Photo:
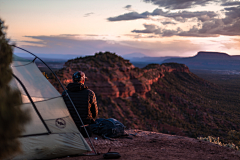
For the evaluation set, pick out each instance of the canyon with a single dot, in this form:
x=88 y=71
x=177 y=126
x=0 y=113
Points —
x=165 y=98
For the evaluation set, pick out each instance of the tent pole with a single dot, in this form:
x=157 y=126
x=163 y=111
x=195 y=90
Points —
x=64 y=90
x=34 y=106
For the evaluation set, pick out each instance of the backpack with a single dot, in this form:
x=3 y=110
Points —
x=108 y=128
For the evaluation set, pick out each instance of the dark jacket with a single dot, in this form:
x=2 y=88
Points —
x=84 y=100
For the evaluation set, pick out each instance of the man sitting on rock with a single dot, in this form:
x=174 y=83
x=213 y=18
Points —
x=83 y=98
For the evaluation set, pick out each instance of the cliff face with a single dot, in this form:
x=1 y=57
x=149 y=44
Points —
x=110 y=75
x=125 y=81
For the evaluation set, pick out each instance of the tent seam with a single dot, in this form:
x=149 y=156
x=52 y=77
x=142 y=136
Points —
x=23 y=65
x=43 y=100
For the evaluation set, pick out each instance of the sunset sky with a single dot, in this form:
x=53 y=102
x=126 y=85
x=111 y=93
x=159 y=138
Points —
x=151 y=27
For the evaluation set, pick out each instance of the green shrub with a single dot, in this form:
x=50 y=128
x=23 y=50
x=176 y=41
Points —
x=12 y=118
x=216 y=141
x=234 y=137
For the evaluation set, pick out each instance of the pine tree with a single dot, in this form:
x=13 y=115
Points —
x=12 y=118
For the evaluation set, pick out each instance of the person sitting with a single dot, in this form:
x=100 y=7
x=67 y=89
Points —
x=83 y=98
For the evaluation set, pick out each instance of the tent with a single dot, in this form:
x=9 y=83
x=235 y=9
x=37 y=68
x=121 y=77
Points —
x=52 y=132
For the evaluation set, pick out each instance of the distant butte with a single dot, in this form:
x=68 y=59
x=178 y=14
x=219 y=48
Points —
x=209 y=60
x=205 y=54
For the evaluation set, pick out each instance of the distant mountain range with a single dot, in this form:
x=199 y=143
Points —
x=132 y=56
x=203 y=60
x=144 y=61
x=49 y=56
x=209 y=60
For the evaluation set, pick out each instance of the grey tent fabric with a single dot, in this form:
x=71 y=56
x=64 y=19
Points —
x=51 y=133
x=33 y=79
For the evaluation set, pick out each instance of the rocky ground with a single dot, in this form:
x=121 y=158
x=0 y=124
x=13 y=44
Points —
x=152 y=145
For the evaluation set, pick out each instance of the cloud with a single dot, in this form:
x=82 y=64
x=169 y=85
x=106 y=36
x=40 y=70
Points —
x=209 y=23
x=128 y=7
x=88 y=14
x=213 y=28
x=234 y=44
x=168 y=22
x=231 y=3
x=34 y=42
x=75 y=46
x=136 y=15
x=179 y=4
x=169 y=48
x=178 y=16
x=200 y=15
x=233 y=12
x=92 y=35
x=80 y=47
x=208 y=26
x=65 y=35
x=151 y=28
x=129 y=16
x=138 y=36
x=218 y=27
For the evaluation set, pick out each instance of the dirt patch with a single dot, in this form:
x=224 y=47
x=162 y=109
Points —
x=152 y=145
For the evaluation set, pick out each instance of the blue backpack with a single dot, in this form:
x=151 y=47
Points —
x=108 y=128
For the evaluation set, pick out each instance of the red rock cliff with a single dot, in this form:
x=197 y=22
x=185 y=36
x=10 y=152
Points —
x=111 y=75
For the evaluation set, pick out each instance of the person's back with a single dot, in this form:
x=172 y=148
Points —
x=83 y=98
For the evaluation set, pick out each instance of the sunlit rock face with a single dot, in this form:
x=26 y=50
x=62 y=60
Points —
x=111 y=75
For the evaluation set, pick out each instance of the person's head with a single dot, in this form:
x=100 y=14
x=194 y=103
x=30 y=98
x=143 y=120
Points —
x=79 y=77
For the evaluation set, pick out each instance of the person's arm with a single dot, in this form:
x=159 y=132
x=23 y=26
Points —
x=63 y=93
x=94 y=107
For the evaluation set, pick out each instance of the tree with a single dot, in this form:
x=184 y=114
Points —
x=12 y=118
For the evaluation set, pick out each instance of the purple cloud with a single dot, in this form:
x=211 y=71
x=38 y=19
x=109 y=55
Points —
x=178 y=16
x=179 y=4
x=80 y=47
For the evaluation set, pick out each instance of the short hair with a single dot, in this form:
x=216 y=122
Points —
x=78 y=76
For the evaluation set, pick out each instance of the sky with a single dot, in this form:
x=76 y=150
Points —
x=154 y=28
